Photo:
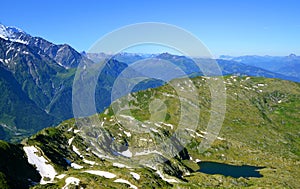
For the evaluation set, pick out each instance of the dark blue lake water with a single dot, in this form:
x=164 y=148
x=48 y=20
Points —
x=229 y=170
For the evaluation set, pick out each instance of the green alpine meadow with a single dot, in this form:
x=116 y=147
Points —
x=261 y=129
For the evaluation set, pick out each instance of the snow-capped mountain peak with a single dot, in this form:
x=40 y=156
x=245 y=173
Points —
x=13 y=34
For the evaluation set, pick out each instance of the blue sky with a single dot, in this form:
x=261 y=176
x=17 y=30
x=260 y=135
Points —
x=262 y=27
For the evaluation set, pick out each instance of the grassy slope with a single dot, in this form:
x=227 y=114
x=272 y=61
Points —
x=261 y=128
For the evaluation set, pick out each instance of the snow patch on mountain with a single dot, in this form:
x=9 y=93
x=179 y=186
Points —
x=128 y=134
x=166 y=179
x=104 y=174
x=120 y=165
x=76 y=151
x=12 y=34
x=126 y=182
x=70 y=140
x=46 y=170
x=88 y=162
x=126 y=153
x=135 y=175
x=61 y=176
x=71 y=180
x=76 y=166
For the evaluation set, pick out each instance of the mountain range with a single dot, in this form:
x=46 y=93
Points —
x=286 y=68
x=142 y=135
x=285 y=65
x=38 y=75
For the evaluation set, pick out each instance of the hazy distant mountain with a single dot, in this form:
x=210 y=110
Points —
x=237 y=68
x=285 y=65
x=128 y=58
x=228 y=65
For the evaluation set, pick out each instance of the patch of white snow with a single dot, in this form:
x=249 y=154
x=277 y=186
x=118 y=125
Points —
x=61 y=176
x=135 y=175
x=76 y=131
x=128 y=134
x=89 y=162
x=166 y=179
x=76 y=151
x=71 y=180
x=76 y=166
x=126 y=182
x=104 y=174
x=42 y=166
x=154 y=130
x=120 y=165
x=126 y=153
x=70 y=140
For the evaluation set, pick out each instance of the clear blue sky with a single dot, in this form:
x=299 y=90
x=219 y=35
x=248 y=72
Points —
x=234 y=27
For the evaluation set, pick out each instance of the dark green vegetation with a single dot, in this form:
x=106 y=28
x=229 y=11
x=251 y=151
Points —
x=17 y=109
x=15 y=171
x=261 y=128
x=35 y=87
